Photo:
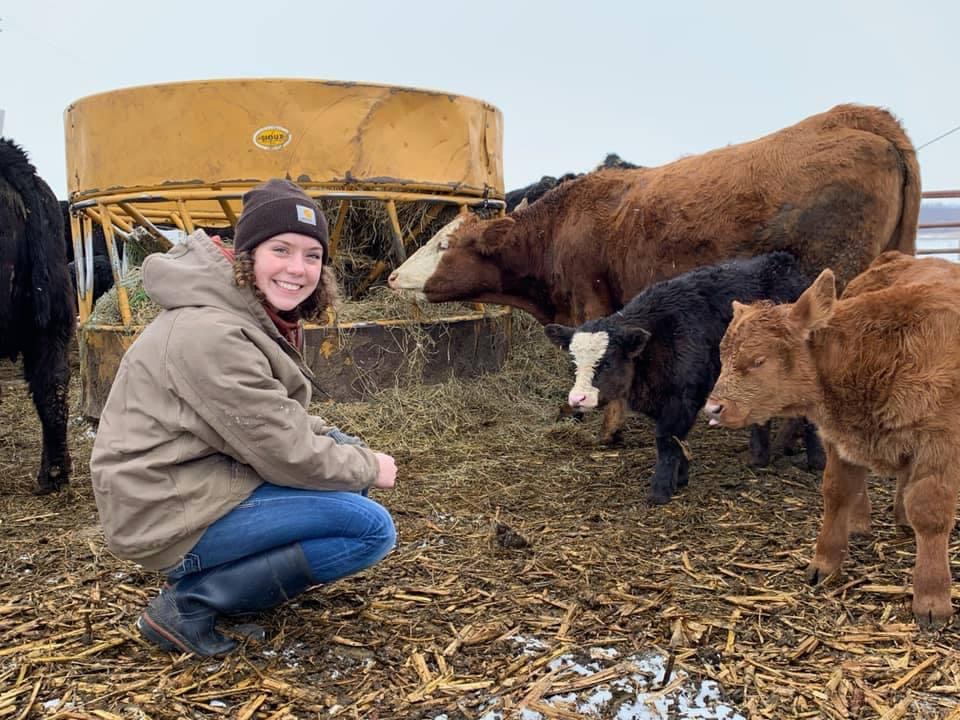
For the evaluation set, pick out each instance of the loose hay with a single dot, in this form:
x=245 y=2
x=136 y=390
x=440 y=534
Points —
x=713 y=581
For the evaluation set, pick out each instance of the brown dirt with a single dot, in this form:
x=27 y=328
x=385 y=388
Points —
x=511 y=523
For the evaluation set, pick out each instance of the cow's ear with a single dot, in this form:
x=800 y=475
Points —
x=636 y=339
x=522 y=205
x=738 y=308
x=814 y=308
x=559 y=335
x=493 y=235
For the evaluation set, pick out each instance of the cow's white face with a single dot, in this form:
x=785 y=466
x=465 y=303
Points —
x=418 y=268
x=588 y=349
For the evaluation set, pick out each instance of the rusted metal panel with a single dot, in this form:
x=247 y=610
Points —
x=101 y=349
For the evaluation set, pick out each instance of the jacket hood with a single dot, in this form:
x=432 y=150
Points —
x=195 y=273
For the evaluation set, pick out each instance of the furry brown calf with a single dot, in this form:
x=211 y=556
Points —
x=879 y=372
x=835 y=190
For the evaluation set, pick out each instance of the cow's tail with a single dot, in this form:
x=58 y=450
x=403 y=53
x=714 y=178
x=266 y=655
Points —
x=882 y=123
x=44 y=225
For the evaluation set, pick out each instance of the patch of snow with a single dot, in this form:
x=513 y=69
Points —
x=639 y=694
x=530 y=645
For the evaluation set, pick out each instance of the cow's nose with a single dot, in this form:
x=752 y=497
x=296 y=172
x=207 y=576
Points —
x=576 y=399
x=713 y=410
x=392 y=279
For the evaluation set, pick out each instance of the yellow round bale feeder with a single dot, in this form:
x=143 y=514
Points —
x=148 y=160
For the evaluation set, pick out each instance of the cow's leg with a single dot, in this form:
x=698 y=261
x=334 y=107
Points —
x=672 y=470
x=614 y=415
x=788 y=435
x=899 y=512
x=46 y=368
x=816 y=459
x=844 y=490
x=760 y=444
x=665 y=480
x=861 y=511
x=930 y=504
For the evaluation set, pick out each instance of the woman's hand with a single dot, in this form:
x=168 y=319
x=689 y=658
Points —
x=387 y=477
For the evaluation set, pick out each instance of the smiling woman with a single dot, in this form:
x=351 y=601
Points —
x=207 y=464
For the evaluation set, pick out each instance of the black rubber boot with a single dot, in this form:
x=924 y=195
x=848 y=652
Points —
x=183 y=617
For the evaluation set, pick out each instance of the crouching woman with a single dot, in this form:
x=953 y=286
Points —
x=207 y=465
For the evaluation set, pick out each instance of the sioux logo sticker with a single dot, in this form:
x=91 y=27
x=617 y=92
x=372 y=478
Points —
x=272 y=137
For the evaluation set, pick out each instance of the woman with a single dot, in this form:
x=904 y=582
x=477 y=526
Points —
x=206 y=464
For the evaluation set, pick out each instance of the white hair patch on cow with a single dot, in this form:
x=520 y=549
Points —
x=587 y=348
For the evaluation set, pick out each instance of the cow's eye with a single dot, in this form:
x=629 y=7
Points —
x=758 y=362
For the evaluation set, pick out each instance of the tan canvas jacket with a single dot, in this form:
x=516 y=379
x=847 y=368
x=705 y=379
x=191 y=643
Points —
x=208 y=403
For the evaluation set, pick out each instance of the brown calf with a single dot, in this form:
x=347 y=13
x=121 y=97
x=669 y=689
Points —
x=879 y=372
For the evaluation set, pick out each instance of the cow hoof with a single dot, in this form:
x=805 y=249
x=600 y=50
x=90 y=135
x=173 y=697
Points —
x=565 y=412
x=932 y=619
x=614 y=440
x=48 y=486
x=759 y=461
x=45 y=489
x=814 y=575
x=904 y=530
x=658 y=499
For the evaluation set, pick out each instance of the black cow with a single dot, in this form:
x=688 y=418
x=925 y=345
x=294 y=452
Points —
x=535 y=191
x=36 y=309
x=102 y=274
x=660 y=353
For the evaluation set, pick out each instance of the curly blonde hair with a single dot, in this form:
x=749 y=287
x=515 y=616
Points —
x=310 y=310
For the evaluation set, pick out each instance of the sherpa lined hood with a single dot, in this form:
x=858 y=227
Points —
x=195 y=273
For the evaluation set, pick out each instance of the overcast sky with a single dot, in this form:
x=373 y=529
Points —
x=574 y=80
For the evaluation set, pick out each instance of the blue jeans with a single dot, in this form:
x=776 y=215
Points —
x=341 y=532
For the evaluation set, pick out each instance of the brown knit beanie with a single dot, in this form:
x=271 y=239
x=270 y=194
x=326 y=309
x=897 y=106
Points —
x=275 y=207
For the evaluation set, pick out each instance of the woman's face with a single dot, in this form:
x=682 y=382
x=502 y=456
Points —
x=287 y=269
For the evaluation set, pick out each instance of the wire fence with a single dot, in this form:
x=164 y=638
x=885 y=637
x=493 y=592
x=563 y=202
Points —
x=941 y=237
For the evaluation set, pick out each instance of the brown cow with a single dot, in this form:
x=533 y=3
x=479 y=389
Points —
x=879 y=372
x=836 y=190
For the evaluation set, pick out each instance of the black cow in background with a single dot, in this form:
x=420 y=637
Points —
x=535 y=191
x=36 y=310
x=102 y=272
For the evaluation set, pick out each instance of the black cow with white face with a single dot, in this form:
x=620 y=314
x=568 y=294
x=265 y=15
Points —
x=661 y=353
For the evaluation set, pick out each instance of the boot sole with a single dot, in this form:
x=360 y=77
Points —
x=169 y=641
x=159 y=636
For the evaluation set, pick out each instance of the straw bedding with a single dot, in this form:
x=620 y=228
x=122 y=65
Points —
x=513 y=526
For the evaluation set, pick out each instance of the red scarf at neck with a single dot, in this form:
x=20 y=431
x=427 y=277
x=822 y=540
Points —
x=291 y=331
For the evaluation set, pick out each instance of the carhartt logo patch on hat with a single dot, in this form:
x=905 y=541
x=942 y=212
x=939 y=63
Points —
x=306 y=215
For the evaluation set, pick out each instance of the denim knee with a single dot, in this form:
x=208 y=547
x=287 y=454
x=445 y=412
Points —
x=332 y=558
x=382 y=538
